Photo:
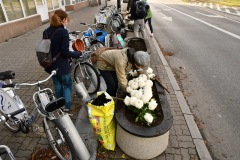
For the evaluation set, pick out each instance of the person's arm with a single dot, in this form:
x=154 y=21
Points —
x=65 y=47
x=120 y=68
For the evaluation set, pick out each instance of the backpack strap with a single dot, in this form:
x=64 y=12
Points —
x=46 y=36
x=54 y=33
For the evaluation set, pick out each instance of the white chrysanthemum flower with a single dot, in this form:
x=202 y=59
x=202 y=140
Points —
x=141 y=83
x=130 y=82
x=134 y=85
x=146 y=98
x=133 y=93
x=138 y=94
x=129 y=89
x=152 y=104
x=148 y=117
x=133 y=100
x=149 y=83
x=138 y=103
x=143 y=76
x=151 y=76
x=135 y=79
x=147 y=89
x=127 y=100
x=149 y=70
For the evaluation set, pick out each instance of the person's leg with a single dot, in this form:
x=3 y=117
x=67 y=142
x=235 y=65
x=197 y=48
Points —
x=67 y=90
x=136 y=28
x=142 y=27
x=150 y=24
x=114 y=75
x=58 y=86
x=110 y=82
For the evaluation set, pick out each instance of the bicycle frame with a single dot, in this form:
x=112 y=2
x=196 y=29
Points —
x=11 y=101
x=8 y=151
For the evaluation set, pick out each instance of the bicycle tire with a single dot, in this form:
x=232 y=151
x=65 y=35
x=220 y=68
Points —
x=86 y=73
x=12 y=126
x=96 y=44
x=65 y=150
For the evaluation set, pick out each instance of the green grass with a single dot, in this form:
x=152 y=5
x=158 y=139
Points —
x=233 y=3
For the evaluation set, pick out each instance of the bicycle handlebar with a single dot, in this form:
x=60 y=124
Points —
x=5 y=117
x=38 y=82
x=86 y=24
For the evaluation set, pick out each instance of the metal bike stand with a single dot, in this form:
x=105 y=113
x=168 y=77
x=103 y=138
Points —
x=77 y=141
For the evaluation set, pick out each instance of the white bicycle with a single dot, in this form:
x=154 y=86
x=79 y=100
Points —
x=45 y=104
x=5 y=150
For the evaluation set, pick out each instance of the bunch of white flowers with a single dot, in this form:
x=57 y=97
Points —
x=140 y=96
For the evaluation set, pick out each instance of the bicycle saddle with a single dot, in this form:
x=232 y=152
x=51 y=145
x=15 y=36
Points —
x=54 y=105
x=7 y=75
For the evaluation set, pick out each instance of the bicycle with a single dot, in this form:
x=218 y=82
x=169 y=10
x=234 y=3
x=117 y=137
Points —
x=5 y=150
x=85 y=72
x=45 y=104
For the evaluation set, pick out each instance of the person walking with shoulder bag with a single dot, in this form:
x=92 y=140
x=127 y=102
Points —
x=60 y=49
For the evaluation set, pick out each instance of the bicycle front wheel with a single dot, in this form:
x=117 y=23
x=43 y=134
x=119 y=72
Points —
x=13 y=125
x=59 y=140
x=86 y=73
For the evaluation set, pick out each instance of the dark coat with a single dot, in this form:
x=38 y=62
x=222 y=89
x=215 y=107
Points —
x=133 y=11
x=60 y=43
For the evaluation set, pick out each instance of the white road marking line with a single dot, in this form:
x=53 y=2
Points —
x=206 y=23
x=226 y=9
x=218 y=8
x=208 y=15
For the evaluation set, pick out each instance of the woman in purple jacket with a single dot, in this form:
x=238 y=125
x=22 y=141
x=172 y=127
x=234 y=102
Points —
x=60 y=50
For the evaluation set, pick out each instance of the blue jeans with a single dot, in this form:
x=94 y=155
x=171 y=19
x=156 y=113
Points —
x=111 y=81
x=63 y=88
x=149 y=20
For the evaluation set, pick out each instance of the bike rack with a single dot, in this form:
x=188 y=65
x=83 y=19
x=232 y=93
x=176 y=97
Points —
x=77 y=141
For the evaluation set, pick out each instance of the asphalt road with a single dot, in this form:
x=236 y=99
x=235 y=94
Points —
x=206 y=60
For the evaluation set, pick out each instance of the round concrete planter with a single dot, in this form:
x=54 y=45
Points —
x=144 y=142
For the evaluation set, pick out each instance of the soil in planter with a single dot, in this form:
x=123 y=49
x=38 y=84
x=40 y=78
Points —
x=100 y=100
x=158 y=111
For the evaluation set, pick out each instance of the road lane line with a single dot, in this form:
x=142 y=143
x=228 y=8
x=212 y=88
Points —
x=208 y=24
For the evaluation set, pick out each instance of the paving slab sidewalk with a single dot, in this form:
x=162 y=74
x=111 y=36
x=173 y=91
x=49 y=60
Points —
x=18 y=54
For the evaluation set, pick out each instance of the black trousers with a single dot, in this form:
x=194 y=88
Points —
x=111 y=81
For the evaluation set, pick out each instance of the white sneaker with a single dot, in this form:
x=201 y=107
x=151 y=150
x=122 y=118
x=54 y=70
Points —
x=151 y=35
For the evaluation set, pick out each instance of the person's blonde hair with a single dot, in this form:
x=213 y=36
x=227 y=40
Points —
x=57 y=18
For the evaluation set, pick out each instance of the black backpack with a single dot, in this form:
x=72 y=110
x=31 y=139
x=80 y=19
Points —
x=43 y=50
x=140 y=9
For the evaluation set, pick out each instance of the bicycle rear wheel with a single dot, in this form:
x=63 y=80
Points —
x=59 y=140
x=87 y=74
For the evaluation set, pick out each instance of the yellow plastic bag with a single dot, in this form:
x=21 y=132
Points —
x=101 y=119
